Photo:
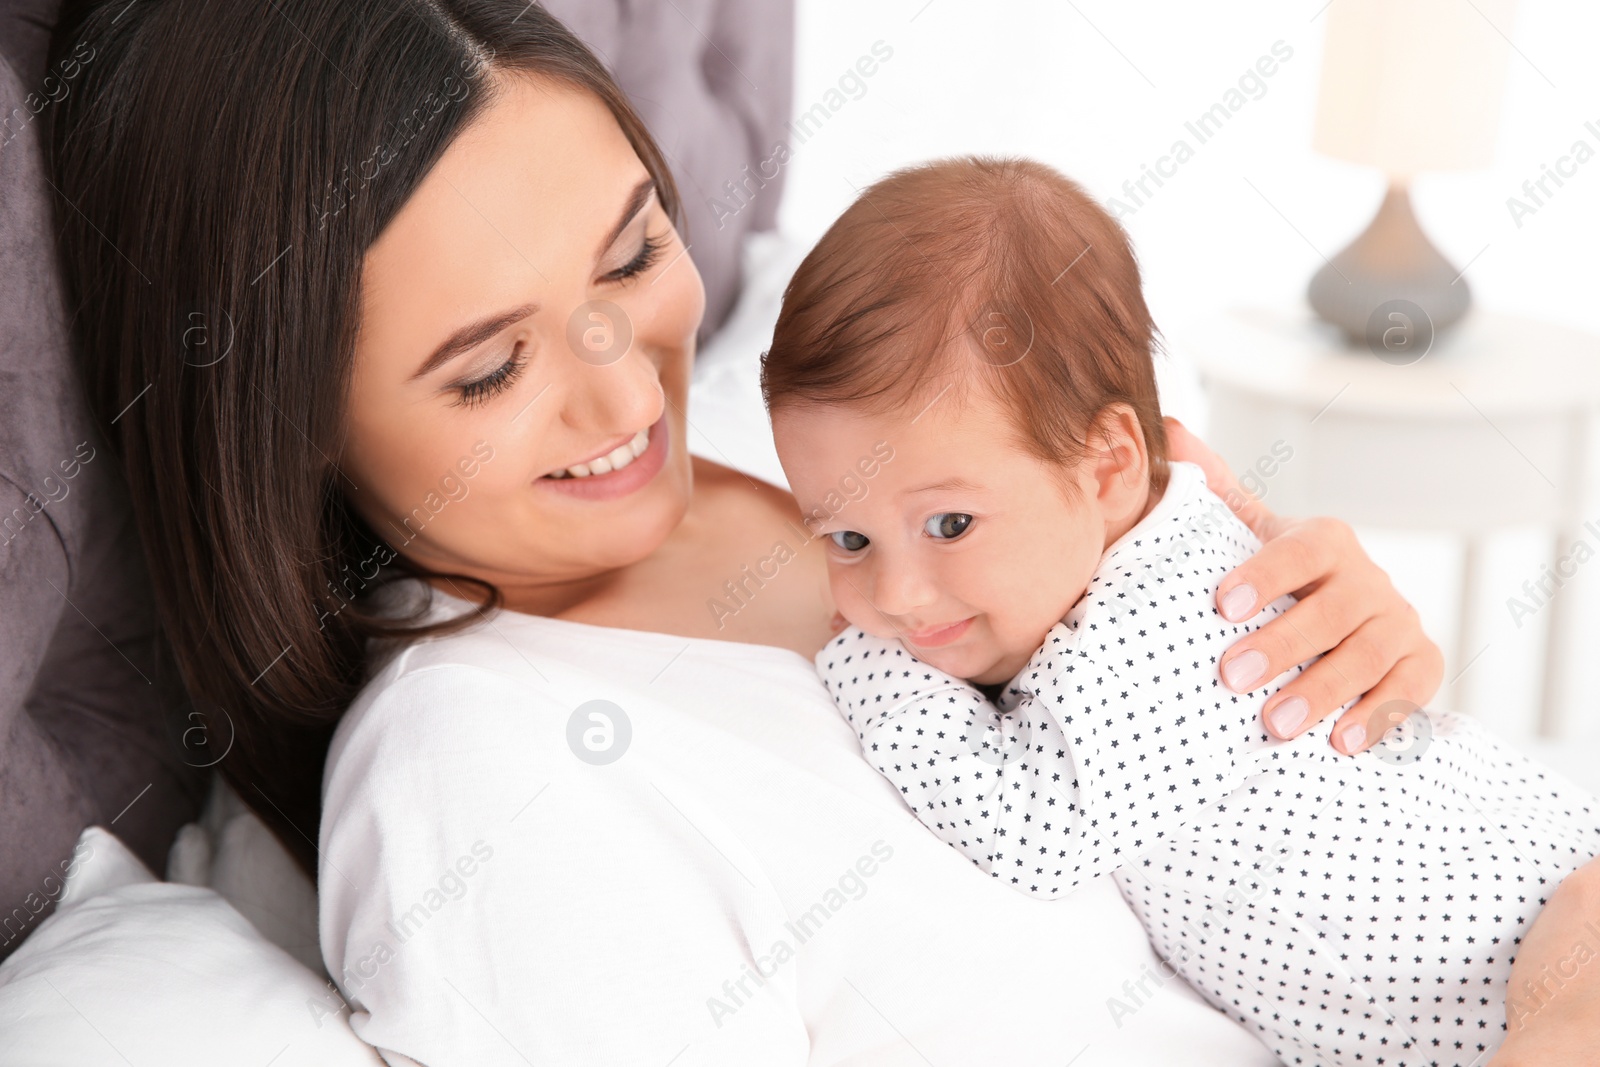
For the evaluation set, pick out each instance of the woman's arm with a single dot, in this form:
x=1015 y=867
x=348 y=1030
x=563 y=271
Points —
x=1370 y=637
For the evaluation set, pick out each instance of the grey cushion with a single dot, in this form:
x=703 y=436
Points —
x=25 y=27
x=83 y=707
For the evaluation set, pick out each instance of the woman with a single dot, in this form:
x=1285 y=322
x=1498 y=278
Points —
x=339 y=268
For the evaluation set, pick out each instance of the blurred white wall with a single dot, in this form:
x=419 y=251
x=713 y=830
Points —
x=1101 y=89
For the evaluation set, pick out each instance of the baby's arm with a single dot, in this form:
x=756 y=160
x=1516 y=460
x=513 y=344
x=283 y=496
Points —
x=1085 y=772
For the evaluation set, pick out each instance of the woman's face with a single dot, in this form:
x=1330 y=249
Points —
x=527 y=329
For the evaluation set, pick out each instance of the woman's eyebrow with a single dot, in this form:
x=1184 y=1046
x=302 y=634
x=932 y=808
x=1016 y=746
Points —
x=471 y=335
x=636 y=201
x=475 y=333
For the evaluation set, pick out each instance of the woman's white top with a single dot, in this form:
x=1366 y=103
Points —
x=555 y=843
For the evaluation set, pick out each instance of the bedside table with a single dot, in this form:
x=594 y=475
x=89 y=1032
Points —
x=1489 y=429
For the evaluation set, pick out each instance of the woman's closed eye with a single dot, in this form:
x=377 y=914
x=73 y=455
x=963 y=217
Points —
x=649 y=252
x=497 y=381
x=947 y=525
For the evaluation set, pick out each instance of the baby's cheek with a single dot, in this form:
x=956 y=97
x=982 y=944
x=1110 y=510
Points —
x=1013 y=652
x=1037 y=606
x=1007 y=659
x=853 y=606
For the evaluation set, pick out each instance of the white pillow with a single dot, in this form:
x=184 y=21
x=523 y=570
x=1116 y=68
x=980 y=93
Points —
x=130 y=969
x=232 y=851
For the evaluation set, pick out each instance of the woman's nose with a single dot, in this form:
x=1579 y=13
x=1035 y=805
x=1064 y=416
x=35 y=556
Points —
x=612 y=384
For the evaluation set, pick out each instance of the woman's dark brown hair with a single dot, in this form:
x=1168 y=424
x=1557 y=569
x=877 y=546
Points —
x=222 y=167
x=975 y=270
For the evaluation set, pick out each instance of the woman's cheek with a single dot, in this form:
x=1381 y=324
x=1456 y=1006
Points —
x=473 y=486
x=673 y=309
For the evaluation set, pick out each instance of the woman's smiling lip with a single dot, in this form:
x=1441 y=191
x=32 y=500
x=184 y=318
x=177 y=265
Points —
x=620 y=482
x=935 y=636
x=606 y=451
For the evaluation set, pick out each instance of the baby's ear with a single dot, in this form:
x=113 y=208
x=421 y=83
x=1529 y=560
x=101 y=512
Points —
x=1121 y=461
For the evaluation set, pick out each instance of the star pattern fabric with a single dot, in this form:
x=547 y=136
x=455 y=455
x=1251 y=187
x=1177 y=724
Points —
x=1361 y=909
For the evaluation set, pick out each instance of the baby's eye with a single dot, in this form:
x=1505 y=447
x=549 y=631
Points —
x=849 y=540
x=947 y=526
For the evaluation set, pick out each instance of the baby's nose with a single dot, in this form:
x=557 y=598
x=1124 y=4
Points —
x=902 y=590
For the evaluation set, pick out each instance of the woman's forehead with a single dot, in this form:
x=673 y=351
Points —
x=515 y=210
x=530 y=188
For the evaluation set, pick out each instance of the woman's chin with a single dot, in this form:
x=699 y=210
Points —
x=644 y=529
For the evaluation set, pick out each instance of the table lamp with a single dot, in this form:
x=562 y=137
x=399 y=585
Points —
x=1407 y=86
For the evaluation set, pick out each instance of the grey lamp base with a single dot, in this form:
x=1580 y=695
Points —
x=1390 y=268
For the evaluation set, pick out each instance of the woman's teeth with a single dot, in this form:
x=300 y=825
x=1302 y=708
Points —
x=614 y=460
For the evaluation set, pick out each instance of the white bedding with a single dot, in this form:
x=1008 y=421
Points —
x=134 y=970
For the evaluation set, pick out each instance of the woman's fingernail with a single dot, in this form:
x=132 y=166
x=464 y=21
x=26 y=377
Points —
x=1238 y=603
x=1353 y=737
x=1244 y=670
x=1286 y=718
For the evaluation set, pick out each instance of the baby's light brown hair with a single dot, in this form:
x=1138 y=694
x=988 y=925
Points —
x=1000 y=269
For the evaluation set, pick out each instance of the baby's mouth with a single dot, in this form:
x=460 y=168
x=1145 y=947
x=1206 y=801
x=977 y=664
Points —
x=935 y=636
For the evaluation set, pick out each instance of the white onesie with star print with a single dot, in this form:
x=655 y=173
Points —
x=1349 y=908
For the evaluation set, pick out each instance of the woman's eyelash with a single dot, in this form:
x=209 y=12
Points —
x=648 y=254
x=500 y=379
x=494 y=383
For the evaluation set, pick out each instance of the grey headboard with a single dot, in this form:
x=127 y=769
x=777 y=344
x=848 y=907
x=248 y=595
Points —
x=714 y=81
x=89 y=726
x=86 y=714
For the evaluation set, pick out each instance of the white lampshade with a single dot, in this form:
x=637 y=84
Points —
x=1413 y=85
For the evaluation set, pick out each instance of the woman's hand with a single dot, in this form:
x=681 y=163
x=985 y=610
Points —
x=1347 y=608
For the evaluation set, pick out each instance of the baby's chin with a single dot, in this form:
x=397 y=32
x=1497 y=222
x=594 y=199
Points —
x=974 y=663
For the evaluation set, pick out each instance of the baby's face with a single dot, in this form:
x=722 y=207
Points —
x=940 y=530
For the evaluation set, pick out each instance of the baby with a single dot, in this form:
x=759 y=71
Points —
x=1033 y=643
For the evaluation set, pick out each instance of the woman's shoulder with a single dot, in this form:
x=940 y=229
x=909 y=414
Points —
x=740 y=536
x=719 y=488
x=483 y=680
x=501 y=648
